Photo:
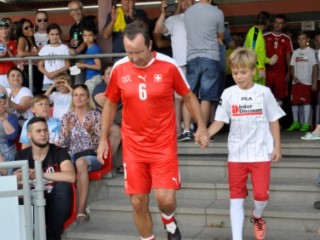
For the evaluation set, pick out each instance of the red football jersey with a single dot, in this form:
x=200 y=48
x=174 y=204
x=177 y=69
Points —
x=279 y=45
x=148 y=117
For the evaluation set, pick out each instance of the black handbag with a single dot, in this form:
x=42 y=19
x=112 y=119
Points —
x=87 y=152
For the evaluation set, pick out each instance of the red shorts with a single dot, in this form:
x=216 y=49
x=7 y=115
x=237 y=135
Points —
x=301 y=94
x=277 y=83
x=140 y=177
x=260 y=177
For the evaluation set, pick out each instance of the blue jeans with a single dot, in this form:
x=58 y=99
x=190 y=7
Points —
x=203 y=78
x=58 y=205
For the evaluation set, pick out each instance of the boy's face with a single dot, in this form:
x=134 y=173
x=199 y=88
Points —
x=61 y=85
x=4 y=31
x=243 y=77
x=303 y=41
x=41 y=108
x=106 y=75
x=88 y=37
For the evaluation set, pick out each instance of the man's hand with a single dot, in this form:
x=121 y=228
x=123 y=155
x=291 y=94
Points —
x=273 y=60
x=102 y=151
x=202 y=137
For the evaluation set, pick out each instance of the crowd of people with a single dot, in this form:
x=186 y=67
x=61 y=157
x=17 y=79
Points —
x=65 y=120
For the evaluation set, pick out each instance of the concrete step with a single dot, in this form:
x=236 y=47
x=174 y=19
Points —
x=97 y=230
x=293 y=216
x=281 y=189
x=207 y=168
x=292 y=145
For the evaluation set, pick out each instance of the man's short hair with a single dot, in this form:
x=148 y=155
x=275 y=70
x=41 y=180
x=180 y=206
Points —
x=38 y=98
x=35 y=120
x=75 y=1
x=242 y=58
x=135 y=28
x=281 y=16
x=262 y=18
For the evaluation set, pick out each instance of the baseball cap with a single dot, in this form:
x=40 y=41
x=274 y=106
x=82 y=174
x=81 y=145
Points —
x=4 y=23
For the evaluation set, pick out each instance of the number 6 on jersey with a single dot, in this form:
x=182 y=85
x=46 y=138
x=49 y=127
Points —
x=143 y=91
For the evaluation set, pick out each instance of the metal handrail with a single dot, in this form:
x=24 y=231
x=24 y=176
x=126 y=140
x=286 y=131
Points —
x=30 y=59
x=25 y=192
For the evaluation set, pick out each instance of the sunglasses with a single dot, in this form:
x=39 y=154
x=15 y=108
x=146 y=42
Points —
x=42 y=20
x=3 y=96
x=26 y=28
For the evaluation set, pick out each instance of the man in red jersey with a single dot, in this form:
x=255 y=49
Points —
x=279 y=44
x=145 y=81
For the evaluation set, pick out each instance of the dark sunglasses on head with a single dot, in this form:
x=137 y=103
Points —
x=3 y=96
x=81 y=86
x=27 y=27
x=42 y=20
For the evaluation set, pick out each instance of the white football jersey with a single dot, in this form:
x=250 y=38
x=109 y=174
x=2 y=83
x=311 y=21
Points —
x=249 y=113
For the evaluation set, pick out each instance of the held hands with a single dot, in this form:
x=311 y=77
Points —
x=202 y=137
x=273 y=60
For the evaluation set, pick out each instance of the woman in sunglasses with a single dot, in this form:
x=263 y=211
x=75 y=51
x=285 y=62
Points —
x=9 y=128
x=27 y=47
x=40 y=35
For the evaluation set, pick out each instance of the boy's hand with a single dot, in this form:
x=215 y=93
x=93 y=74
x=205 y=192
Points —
x=276 y=155
x=296 y=80
x=201 y=137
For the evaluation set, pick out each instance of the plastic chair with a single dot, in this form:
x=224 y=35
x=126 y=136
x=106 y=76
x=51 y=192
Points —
x=73 y=213
x=106 y=167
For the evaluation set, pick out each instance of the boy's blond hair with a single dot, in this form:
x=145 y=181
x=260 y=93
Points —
x=242 y=58
x=64 y=76
x=38 y=98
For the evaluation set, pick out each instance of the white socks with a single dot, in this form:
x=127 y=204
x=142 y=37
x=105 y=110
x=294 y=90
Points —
x=237 y=218
x=259 y=206
x=148 y=238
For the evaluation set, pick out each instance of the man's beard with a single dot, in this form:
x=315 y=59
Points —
x=40 y=145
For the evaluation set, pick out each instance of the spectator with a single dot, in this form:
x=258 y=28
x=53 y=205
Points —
x=62 y=98
x=254 y=40
x=149 y=138
x=53 y=67
x=117 y=20
x=278 y=44
x=304 y=72
x=253 y=113
x=76 y=44
x=115 y=131
x=27 y=47
x=80 y=131
x=174 y=26
x=8 y=48
x=205 y=28
x=92 y=66
x=58 y=173
x=41 y=36
x=40 y=106
x=9 y=128
x=20 y=97
x=317 y=93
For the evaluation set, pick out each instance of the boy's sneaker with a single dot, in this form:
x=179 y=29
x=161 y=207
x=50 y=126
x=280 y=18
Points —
x=185 y=136
x=305 y=127
x=294 y=127
x=174 y=236
x=259 y=228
